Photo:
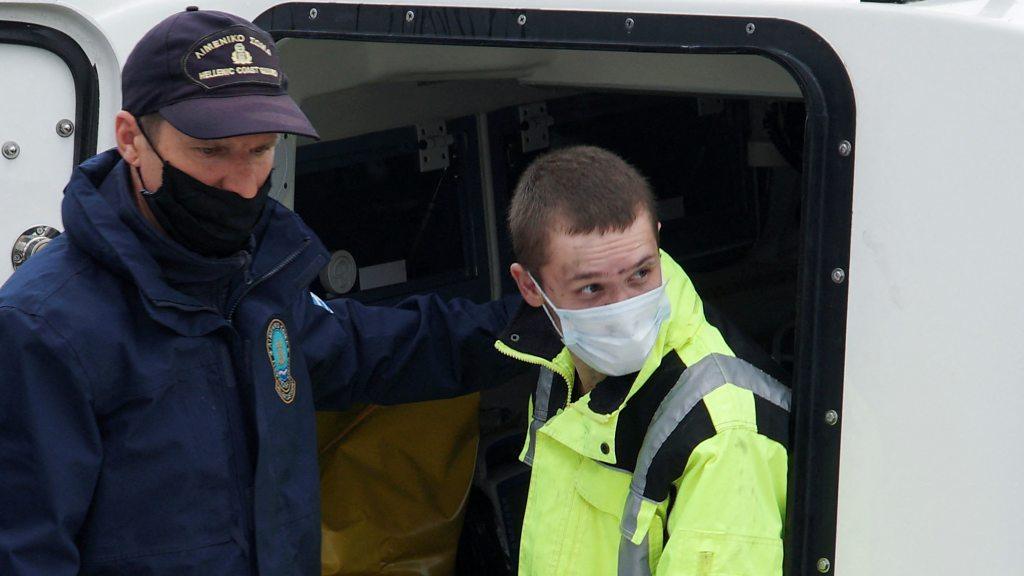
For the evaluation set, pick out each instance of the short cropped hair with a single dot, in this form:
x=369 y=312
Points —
x=575 y=190
x=151 y=125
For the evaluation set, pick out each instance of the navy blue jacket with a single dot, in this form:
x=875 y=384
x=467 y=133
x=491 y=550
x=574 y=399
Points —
x=157 y=409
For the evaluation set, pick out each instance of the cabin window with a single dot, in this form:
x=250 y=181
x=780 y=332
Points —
x=752 y=182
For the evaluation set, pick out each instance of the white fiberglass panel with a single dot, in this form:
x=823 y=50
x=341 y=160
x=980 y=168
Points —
x=39 y=93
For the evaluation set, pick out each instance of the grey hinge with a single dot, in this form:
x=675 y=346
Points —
x=434 y=142
x=533 y=126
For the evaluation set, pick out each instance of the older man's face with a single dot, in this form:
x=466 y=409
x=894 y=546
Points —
x=240 y=164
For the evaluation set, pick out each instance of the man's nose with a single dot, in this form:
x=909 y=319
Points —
x=621 y=293
x=244 y=180
x=617 y=295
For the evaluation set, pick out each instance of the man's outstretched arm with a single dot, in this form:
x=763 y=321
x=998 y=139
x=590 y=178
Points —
x=421 y=349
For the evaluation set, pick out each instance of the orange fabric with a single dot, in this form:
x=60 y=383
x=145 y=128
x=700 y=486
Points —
x=394 y=481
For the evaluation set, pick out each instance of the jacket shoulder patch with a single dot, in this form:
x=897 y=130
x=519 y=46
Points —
x=278 y=352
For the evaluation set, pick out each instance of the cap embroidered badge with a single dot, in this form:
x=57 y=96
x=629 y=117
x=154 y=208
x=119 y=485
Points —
x=211 y=75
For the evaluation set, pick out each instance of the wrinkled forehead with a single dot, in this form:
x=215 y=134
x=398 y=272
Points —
x=599 y=254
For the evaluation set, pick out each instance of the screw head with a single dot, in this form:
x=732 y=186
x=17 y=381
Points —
x=410 y=16
x=838 y=275
x=17 y=258
x=629 y=24
x=824 y=565
x=11 y=150
x=831 y=417
x=65 y=128
x=751 y=28
x=313 y=13
x=845 y=148
x=521 y=20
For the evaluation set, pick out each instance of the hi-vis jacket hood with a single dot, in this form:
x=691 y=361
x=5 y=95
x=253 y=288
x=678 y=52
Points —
x=157 y=411
x=695 y=421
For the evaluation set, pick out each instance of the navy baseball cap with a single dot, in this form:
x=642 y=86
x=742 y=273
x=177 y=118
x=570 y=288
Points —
x=211 y=75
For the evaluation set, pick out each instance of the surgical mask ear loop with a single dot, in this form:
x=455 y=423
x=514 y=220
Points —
x=550 y=303
x=145 y=189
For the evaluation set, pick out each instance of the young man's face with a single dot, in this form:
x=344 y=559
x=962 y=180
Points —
x=595 y=269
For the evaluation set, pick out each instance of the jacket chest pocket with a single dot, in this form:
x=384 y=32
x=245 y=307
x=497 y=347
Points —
x=203 y=387
x=603 y=487
x=592 y=534
x=182 y=422
x=167 y=478
x=603 y=490
x=196 y=402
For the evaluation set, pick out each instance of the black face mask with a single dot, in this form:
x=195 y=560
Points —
x=205 y=219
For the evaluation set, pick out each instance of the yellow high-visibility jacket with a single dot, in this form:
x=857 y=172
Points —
x=677 y=470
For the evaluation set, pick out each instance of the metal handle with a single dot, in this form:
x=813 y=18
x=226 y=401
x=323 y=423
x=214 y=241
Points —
x=30 y=242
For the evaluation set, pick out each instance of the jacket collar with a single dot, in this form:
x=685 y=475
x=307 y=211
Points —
x=100 y=218
x=530 y=337
x=531 y=334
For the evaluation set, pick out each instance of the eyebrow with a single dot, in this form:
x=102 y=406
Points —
x=592 y=274
x=214 y=142
x=222 y=144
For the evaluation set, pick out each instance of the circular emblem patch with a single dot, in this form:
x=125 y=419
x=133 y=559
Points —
x=278 y=351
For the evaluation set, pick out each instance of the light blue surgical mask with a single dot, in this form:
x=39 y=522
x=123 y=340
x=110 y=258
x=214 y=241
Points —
x=613 y=339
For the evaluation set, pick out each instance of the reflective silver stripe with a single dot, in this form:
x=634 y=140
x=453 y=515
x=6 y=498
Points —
x=541 y=399
x=633 y=558
x=632 y=513
x=696 y=382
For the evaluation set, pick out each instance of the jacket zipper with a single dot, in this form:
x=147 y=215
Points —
x=538 y=361
x=250 y=285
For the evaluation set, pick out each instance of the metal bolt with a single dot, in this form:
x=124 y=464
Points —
x=838 y=275
x=824 y=565
x=30 y=242
x=313 y=13
x=845 y=148
x=751 y=28
x=831 y=417
x=521 y=20
x=410 y=16
x=11 y=150
x=630 y=23
x=65 y=128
